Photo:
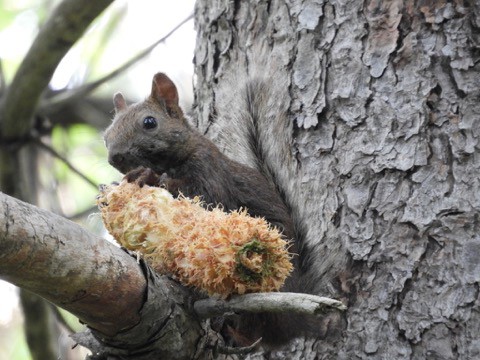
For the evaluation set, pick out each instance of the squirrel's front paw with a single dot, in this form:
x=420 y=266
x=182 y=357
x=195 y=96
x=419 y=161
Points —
x=143 y=176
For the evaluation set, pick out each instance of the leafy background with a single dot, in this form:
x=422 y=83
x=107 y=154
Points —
x=123 y=31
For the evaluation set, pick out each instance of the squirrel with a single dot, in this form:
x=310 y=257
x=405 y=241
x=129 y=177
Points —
x=151 y=142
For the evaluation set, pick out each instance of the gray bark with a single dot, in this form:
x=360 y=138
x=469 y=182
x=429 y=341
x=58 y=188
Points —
x=383 y=124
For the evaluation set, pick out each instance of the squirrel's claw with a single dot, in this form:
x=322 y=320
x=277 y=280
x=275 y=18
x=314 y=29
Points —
x=143 y=176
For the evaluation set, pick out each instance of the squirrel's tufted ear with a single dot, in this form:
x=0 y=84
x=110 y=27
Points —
x=164 y=90
x=119 y=102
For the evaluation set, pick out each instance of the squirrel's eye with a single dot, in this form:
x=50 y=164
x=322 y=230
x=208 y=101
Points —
x=149 y=123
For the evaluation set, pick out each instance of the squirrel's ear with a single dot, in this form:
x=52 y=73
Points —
x=119 y=102
x=163 y=89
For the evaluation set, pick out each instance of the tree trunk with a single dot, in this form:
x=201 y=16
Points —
x=382 y=138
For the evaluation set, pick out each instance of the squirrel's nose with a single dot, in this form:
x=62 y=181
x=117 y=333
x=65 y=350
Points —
x=116 y=159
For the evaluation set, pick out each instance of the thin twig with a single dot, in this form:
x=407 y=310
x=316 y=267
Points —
x=267 y=302
x=68 y=95
x=53 y=152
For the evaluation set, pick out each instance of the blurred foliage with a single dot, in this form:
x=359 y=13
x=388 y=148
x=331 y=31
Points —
x=121 y=32
x=12 y=342
x=83 y=146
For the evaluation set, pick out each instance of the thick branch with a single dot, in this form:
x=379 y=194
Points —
x=64 y=27
x=60 y=261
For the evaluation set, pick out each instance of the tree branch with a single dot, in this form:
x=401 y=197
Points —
x=267 y=302
x=64 y=27
x=60 y=261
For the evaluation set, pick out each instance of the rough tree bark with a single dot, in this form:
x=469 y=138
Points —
x=384 y=128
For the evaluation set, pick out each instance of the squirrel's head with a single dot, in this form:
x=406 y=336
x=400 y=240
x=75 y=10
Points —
x=153 y=133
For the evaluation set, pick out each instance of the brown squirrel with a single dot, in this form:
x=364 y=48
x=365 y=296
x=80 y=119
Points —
x=152 y=143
